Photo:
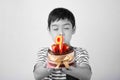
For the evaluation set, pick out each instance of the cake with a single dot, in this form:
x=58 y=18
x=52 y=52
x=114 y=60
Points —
x=57 y=60
x=61 y=54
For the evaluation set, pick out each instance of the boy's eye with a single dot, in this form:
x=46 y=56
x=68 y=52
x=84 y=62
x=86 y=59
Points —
x=55 y=28
x=66 y=28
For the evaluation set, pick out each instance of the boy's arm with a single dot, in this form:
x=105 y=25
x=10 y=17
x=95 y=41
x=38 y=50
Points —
x=82 y=70
x=40 y=71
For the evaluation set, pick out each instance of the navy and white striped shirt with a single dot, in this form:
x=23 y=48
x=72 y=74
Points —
x=81 y=56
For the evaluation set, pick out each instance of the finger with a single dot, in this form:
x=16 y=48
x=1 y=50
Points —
x=66 y=70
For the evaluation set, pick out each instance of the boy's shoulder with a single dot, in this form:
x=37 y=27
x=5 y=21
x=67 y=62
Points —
x=43 y=49
x=80 y=49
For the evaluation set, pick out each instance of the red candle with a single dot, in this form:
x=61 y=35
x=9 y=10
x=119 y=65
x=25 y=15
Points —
x=59 y=40
x=55 y=49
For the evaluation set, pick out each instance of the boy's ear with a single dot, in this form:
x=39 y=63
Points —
x=48 y=30
x=74 y=29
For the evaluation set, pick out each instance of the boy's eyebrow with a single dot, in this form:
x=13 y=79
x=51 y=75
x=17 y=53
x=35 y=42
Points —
x=63 y=24
x=66 y=24
x=54 y=25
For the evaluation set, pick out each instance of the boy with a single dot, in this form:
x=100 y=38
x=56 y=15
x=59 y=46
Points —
x=62 y=21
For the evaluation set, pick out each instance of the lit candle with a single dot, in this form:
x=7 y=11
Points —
x=59 y=41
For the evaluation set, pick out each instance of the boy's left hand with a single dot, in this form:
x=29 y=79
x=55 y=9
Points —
x=72 y=70
x=82 y=72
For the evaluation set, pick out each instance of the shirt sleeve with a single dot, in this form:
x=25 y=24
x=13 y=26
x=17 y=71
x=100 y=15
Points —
x=41 y=58
x=81 y=56
x=42 y=55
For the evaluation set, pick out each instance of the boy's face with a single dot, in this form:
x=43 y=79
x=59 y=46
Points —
x=64 y=27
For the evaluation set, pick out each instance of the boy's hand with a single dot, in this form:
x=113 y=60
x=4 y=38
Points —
x=81 y=72
x=40 y=71
x=70 y=70
x=73 y=71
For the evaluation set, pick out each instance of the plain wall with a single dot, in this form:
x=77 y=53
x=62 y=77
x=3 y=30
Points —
x=23 y=30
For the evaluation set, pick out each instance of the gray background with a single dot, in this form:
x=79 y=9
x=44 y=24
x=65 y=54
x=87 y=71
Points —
x=23 y=30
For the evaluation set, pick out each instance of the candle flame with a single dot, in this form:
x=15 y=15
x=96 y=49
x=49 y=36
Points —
x=59 y=40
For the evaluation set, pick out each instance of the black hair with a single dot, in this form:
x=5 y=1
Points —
x=61 y=13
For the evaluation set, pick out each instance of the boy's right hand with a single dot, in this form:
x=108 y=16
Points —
x=40 y=71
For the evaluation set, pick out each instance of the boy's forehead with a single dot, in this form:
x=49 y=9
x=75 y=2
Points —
x=62 y=21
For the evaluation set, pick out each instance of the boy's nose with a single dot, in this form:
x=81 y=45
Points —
x=61 y=32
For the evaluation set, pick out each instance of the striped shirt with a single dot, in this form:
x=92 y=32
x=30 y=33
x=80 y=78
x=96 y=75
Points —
x=81 y=56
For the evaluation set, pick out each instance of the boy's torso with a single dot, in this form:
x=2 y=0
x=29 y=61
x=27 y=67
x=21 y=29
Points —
x=57 y=74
